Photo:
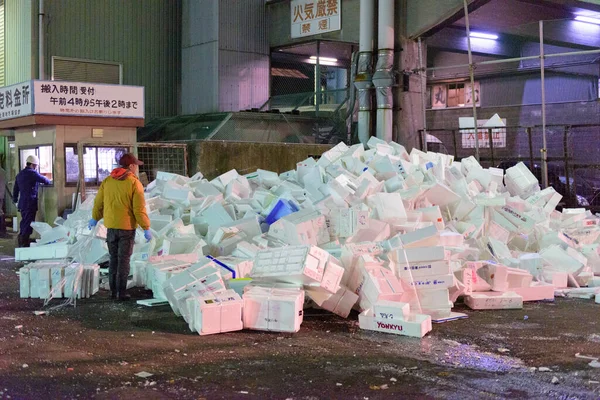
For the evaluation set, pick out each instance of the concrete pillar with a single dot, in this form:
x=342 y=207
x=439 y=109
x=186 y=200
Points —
x=408 y=118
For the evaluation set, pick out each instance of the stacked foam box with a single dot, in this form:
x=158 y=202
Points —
x=358 y=227
x=58 y=279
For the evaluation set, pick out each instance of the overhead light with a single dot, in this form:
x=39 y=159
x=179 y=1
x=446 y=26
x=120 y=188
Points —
x=482 y=35
x=324 y=59
x=589 y=20
x=322 y=62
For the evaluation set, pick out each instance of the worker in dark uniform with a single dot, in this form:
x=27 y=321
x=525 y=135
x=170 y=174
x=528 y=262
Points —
x=25 y=195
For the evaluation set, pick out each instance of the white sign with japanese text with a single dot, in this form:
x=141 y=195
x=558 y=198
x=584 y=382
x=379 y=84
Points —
x=313 y=17
x=16 y=101
x=88 y=99
x=495 y=126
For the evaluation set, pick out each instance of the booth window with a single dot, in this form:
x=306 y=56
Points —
x=45 y=155
x=98 y=162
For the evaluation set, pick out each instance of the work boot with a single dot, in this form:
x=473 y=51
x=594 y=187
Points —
x=26 y=241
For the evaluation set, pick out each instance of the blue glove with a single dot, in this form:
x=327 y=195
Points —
x=148 y=235
x=92 y=224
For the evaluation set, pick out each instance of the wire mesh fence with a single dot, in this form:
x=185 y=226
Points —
x=572 y=153
x=167 y=157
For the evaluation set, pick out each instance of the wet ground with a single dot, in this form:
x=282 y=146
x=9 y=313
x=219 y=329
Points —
x=95 y=349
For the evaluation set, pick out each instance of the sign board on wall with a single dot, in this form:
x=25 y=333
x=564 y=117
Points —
x=439 y=96
x=72 y=99
x=88 y=99
x=495 y=125
x=16 y=101
x=313 y=17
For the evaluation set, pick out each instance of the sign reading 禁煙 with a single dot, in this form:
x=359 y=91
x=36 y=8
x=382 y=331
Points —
x=313 y=17
x=16 y=101
x=88 y=99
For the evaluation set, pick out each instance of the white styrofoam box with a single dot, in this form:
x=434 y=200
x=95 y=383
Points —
x=451 y=239
x=294 y=264
x=214 y=215
x=434 y=215
x=302 y=227
x=344 y=222
x=97 y=252
x=520 y=181
x=517 y=218
x=271 y=309
x=54 y=235
x=341 y=302
x=421 y=269
x=24 y=282
x=394 y=310
x=428 y=236
x=373 y=283
x=494 y=301
x=241 y=267
x=332 y=277
x=441 y=195
x=416 y=325
x=598 y=298
x=216 y=313
x=430 y=282
x=56 y=275
x=432 y=299
x=388 y=206
x=46 y=252
x=536 y=292
x=417 y=255
x=561 y=260
x=532 y=263
x=376 y=231
x=182 y=245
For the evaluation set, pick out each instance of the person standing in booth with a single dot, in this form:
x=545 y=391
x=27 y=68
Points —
x=25 y=196
x=120 y=201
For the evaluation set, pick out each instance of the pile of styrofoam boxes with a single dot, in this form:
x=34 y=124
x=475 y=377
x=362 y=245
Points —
x=58 y=279
x=400 y=237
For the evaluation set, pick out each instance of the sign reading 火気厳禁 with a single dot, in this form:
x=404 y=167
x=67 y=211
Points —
x=88 y=99
x=16 y=101
x=312 y=17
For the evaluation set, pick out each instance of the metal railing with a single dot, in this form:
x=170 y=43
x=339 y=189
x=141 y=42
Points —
x=573 y=155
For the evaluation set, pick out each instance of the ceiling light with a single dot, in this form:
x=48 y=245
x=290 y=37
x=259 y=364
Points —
x=322 y=59
x=481 y=35
x=330 y=63
x=589 y=20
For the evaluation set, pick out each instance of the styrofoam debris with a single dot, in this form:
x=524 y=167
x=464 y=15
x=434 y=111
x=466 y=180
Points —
x=380 y=229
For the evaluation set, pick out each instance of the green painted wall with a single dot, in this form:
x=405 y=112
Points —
x=143 y=35
x=18 y=18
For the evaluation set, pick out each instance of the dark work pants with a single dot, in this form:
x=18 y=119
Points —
x=120 y=246
x=27 y=217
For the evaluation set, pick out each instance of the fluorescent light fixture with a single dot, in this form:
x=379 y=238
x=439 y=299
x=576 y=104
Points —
x=322 y=59
x=482 y=35
x=589 y=20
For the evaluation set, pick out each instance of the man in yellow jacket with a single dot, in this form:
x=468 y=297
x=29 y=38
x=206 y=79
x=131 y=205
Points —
x=120 y=201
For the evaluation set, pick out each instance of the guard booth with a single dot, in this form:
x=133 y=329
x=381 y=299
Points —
x=78 y=131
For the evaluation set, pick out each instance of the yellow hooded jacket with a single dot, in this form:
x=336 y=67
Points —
x=121 y=202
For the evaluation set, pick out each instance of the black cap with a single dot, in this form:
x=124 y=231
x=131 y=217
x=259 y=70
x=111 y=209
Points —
x=129 y=159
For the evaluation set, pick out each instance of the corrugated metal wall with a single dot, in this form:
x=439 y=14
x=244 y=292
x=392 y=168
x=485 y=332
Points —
x=19 y=29
x=243 y=55
x=200 y=57
x=1 y=42
x=145 y=36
